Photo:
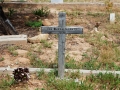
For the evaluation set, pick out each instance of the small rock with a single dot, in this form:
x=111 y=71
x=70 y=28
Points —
x=46 y=22
x=38 y=38
x=96 y=29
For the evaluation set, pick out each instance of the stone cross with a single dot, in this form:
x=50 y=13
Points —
x=61 y=30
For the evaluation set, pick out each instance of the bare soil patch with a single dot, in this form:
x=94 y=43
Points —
x=76 y=45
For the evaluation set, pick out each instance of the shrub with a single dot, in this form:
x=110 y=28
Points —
x=43 y=12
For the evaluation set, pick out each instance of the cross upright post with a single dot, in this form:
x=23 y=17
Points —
x=61 y=46
x=61 y=30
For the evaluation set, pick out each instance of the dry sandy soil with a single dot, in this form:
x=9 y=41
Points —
x=75 y=46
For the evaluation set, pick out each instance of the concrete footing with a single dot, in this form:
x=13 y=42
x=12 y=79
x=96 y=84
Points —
x=13 y=39
x=7 y=70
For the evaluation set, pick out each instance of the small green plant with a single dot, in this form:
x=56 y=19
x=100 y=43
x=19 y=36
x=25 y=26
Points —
x=6 y=82
x=36 y=61
x=2 y=58
x=46 y=44
x=74 y=75
x=12 y=50
x=89 y=65
x=40 y=49
x=108 y=80
x=63 y=84
x=71 y=64
x=40 y=74
x=34 y=23
x=11 y=11
x=43 y=12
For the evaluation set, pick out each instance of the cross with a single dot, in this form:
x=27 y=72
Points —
x=61 y=30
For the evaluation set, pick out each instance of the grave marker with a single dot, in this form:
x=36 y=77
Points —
x=56 y=1
x=61 y=30
x=112 y=18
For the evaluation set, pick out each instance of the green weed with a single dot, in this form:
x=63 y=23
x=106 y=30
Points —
x=71 y=63
x=6 y=83
x=12 y=50
x=46 y=44
x=35 y=61
x=34 y=23
x=40 y=74
x=91 y=64
x=107 y=80
x=43 y=12
x=11 y=11
x=73 y=75
x=2 y=59
x=68 y=85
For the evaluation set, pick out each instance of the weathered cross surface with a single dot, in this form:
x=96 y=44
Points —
x=61 y=30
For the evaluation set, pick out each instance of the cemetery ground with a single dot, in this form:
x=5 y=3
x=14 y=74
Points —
x=93 y=50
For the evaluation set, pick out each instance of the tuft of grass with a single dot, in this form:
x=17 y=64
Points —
x=43 y=12
x=95 y=14
x=11 y=11
x=40 y=74
x=6 y=82
x=2 y=59
x=71 y=63
x=73 y=75
x=12 y=50
x=91 y=64
x=63 y=84
x=107 y=81
x=46 y=44
x=35 y=61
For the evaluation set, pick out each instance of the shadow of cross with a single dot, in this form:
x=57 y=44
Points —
x=61 y=30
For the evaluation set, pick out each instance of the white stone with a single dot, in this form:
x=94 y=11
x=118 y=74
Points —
x=46 y=22
x=56 y=1
x=112 y=18
x=38 y=38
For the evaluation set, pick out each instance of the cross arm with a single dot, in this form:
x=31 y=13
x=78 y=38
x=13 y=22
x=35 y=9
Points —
x=61 y=30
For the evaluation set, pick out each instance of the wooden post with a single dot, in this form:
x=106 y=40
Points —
x=61 y=46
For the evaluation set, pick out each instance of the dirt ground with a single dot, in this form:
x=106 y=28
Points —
x=75 y=46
